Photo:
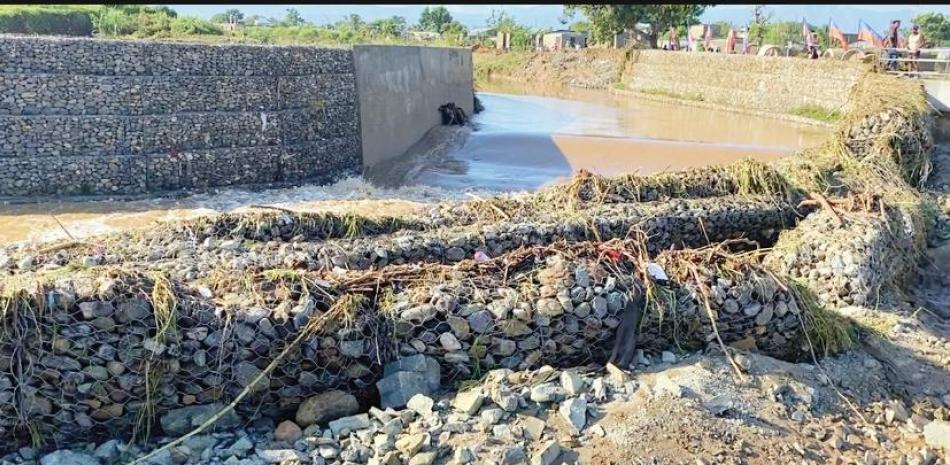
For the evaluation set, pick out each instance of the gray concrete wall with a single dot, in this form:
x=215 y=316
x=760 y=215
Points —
x=400 y=90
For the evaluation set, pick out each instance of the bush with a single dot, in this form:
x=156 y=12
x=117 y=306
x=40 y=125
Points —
x=189 y=25
x=49 y=20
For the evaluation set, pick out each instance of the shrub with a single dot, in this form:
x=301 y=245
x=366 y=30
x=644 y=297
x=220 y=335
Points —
x=50 y=20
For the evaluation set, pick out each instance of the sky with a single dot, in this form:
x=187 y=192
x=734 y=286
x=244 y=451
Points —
x=546 y=16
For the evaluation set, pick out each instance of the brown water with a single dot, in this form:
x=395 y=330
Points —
x=522 y=142
x=525 y=141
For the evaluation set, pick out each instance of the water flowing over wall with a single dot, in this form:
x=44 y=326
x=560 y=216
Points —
x=100 y=117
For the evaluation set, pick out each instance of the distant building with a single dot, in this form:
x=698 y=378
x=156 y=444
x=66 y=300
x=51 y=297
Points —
x=562 y=39
x=639 y=35
x=698 y=31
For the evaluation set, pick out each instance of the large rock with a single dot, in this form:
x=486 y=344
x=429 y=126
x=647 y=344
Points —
x=351 y=423
x=325 y=407
x=407 y=377
x=68 y=457
x=183 y=420
x=937 y=435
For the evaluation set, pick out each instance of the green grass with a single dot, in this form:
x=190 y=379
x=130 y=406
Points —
x=487 y=64
x=817 y=112
x=669 y=93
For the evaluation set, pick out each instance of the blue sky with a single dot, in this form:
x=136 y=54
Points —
x=845 y=16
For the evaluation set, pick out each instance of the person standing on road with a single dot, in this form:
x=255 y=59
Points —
x=915 y=42
x=891 y=43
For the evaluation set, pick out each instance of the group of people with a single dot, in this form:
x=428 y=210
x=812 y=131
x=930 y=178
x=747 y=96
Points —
x=894 y=41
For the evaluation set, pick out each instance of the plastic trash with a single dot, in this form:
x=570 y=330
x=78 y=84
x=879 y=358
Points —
x=656 y=272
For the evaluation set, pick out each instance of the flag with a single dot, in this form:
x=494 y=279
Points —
x=866 y=34
x=806 y=31
x=689 y=39
x=731 y=40
x=708 y=40
x=835 y=34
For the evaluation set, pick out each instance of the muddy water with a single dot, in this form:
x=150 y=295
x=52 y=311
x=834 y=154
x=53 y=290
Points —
x=522 y=142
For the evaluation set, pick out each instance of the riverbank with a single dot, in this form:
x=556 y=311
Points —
x=770 y=299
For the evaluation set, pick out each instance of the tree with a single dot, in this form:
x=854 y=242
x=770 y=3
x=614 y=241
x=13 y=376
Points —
x=580 y=26
x=293 y=18
x=233 y=15
x=607 y=20
x=934 y=26
x=434 y=19
x=389 y=27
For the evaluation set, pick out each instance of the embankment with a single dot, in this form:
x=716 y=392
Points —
x=99 y=117
x=798 y=89
x=270 y=309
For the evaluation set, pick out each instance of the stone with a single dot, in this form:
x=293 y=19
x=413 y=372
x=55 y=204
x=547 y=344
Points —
x=325 y=407
x=395 y=390
x=549 y=308
x=481 y=321
x=546 y=392
x=421 y=404
x=288 y=431
x=514 y=456
x=533 y=427
x=246 y=373
x=548 y=453
x=572 y=382
x=752 y=309
x=92 y=310
x=424 y=458
x=450 y=342
x=937 y=435
x=281 y=456
x=68 y=457
x=108 y=451
x=765 y=316
x=351 y=423
x=410 y=444
x=468 y=402
x=575 y=412
x=668 y=357
x=463 y=456
x=492 y=415
x=183 y=420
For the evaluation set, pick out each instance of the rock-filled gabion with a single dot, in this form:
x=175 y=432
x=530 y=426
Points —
x=89 y=355
x=851 y=263
x=281 y=241
x=92 y=117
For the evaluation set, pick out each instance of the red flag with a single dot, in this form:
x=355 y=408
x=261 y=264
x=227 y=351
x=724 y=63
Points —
x=866 y=34
x=836 y=34
x=731 y=40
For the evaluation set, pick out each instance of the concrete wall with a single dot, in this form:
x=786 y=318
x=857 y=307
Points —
x=400 y=90
x=777 y=84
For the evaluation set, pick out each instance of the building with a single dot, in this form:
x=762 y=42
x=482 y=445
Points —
x=639 y=35
x=562 y=39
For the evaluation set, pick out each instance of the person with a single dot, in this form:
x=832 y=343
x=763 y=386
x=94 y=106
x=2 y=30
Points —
x=892 y=43
x=813 y=47
x=915 y=42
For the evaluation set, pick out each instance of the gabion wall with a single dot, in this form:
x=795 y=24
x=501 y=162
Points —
x=85 y=117
x=91 y=361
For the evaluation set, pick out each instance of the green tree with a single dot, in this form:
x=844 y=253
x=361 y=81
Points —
x=395 y=26
x=230 y=15
x=934 y=26
x=607 y=20
x=434 y=19
x=293 y=18
x=580 y=26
